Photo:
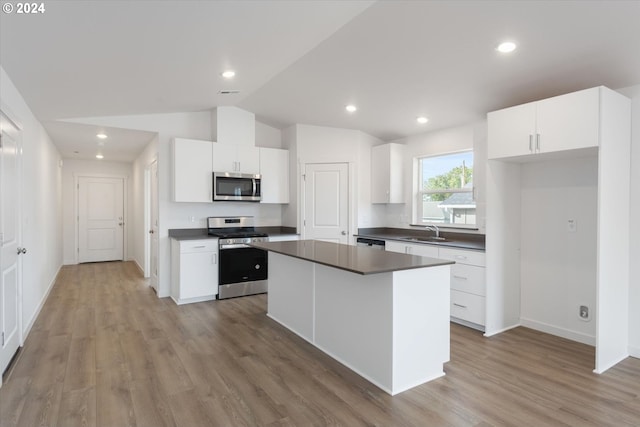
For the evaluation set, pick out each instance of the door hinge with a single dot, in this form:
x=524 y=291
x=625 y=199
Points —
x=0 y=141
x=304 y=177
x=1 y=238
x=3 y=339
x=78 y=186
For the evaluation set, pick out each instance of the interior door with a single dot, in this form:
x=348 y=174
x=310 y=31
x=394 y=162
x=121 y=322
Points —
x=10 y=272
x=153 y=224
x=326 y=197
x=100 y=219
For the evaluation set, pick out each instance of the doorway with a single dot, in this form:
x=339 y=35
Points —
x=101 y=214
x=10 y=240
x=326 y=202
x=151 y=221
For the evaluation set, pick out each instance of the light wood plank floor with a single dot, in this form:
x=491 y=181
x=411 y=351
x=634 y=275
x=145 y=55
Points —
x=106 y=352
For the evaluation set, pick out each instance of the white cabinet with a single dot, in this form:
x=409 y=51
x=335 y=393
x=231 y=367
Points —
x=194 y=270
x=236 y=158
x=274 y=168
x=468 y=286
x=561 y=123
x=468 y=282
x=412 y=249
x=191 y=164
x=386 y=173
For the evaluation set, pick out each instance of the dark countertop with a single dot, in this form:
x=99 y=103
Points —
x=453 y=240
x=355 y=259
x=201 y=233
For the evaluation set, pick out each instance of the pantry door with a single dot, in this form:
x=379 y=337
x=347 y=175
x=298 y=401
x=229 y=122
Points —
x=100 y=219
x=11 y=251
x=326 y=202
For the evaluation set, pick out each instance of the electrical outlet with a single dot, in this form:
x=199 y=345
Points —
x=572 y=225
x=192 y=219
x=583 y=313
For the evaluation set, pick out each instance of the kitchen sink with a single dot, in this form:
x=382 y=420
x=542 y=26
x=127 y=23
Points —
x=429 y=239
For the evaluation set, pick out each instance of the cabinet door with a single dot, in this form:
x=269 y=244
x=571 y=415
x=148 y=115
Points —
x=192 y=179
x=511 y=131
x=198 y=275
x=568 y=121
x=224 y=157
x=274 y=168
x=248 y=159
x=380 y=172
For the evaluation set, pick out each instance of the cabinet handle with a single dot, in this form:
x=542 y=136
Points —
x=199 y=247
x=459 y=305
x=530 y=142
x=537 y=142
x=214 y=259
x=460 y=257
x=459 y=277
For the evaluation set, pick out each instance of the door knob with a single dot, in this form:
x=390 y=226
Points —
x=121 y=224
x=150 y=231
x=22 y=251
x=344 y=233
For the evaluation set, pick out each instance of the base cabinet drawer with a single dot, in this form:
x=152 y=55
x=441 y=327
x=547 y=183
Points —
x=468 y=278
x=468 y=307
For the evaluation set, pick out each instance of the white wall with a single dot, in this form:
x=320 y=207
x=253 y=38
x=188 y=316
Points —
x=558 y=267
x=138 y=233
x=41 y=205
x=70 y=170
x=318 y=144
x=178 y=215
x=634 y=232
x=460 y=138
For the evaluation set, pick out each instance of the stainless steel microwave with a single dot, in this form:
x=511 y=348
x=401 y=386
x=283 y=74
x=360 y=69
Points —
x=233 y=187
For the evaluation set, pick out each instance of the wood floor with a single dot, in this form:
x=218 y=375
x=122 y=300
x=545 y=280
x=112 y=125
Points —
x=105 y=351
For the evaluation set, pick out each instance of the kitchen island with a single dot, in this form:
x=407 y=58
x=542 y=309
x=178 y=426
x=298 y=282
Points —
x=384 y=315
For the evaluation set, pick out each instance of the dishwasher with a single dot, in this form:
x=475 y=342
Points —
x=372 y=243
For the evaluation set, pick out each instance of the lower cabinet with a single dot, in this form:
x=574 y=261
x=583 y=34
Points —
x=194 y=270
x=468 y=283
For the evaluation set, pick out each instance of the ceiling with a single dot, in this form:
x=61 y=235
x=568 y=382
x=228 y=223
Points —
x=303 y=61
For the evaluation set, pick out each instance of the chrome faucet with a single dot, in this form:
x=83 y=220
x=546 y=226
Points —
x=435 y=229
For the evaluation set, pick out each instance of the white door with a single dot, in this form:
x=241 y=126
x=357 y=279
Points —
x=100 y=219
x=153 y=225
x=326 y=197
x=10 y=271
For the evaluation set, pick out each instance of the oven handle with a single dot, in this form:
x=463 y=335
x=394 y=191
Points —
x=234 y=246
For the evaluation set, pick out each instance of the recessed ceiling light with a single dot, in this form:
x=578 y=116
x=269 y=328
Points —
x=102 y=135
x=99 y=156
x=422 y=120
x=506 y=47
x=351 y=108
x=229 y=74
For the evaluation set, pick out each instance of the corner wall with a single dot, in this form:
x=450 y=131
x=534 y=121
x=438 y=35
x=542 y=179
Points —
x=634 y=232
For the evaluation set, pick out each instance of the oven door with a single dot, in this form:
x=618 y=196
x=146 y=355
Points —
x=241 y=263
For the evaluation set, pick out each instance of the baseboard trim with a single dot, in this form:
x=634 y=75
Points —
x=499 y=331
x=634 y=351
x=25 y=331
x=560 y=332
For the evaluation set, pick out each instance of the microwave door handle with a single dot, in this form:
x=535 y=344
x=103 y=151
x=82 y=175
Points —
x=254 y=186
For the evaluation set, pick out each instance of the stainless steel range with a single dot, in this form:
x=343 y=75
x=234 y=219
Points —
x=242 y=269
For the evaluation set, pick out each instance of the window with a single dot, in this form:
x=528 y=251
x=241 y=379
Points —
x=445 y=190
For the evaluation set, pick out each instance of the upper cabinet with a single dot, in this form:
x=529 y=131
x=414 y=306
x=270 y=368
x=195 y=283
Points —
x=191 y=165
x=386 y=173
x=274 y=168
x=236 y=158
x=232 y=125
x=561 y=123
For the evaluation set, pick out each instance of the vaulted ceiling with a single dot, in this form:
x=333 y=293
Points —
x=303 y=61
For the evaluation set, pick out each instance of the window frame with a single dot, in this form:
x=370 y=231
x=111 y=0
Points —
x=419 y=193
